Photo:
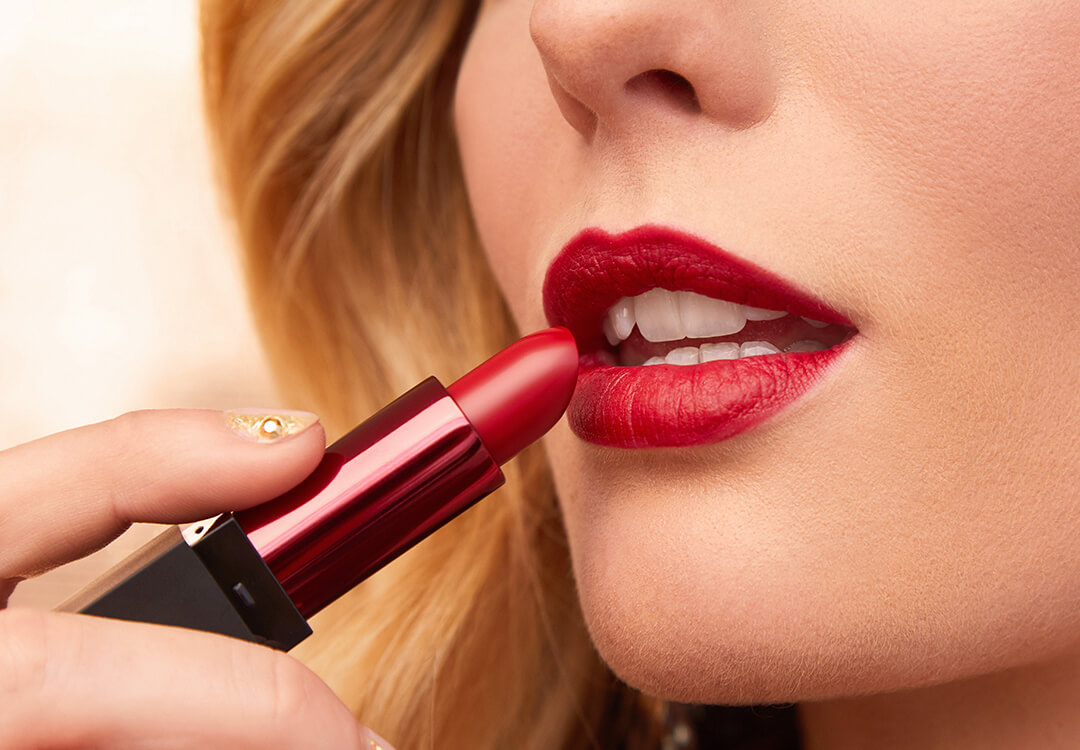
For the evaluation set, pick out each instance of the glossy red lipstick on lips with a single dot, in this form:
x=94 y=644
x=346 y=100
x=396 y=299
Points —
x=668 y=405
x=379 y=490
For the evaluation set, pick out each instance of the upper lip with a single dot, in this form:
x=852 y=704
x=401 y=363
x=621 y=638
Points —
x=595 y=269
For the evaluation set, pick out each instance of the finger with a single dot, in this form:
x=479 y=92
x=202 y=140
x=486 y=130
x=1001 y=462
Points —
x=65 y=495
x=70 y=681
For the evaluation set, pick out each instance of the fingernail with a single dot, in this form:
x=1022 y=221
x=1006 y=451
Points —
x=375 y=742
x=268 y=425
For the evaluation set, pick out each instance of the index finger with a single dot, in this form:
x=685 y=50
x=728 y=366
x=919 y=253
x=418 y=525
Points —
x=65 y=495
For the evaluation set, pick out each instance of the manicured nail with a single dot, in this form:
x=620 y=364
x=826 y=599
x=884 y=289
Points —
x=375 y=742
x=268 y=425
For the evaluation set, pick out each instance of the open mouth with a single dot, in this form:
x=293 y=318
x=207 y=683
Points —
x=681 y=342
x=685 y=328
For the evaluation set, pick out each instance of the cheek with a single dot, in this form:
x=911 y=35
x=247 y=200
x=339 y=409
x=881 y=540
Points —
x=920 y=525
x=927 y=528
x=508 y=131
x=966 y=126
x=961 y=125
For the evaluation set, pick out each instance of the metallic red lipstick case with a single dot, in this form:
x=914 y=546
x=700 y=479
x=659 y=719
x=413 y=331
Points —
x=260 y=573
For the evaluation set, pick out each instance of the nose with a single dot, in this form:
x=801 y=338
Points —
x=611 y=63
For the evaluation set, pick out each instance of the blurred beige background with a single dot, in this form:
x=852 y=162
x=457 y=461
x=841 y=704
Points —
x=119 y=288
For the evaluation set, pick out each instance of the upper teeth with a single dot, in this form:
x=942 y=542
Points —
x=662 y=315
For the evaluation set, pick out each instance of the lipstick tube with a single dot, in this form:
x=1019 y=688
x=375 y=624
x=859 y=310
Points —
x=429 y=455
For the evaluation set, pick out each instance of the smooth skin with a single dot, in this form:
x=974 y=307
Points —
x=908 y=530
x=71 y=681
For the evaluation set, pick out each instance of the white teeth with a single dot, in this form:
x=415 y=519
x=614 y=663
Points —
x=760 y=313
x=662 y=315
x=657 y=313
x=722 y=350
x=622 y=317
x=756 y=349
x=609 y=332
x=702 y=317
x=814 y=323
x=684 y=355
x=692 y=355
x=806 y=346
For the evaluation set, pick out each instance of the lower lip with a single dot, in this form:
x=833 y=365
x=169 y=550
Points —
x=658 y=406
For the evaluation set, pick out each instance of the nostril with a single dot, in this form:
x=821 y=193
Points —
x=667 y=84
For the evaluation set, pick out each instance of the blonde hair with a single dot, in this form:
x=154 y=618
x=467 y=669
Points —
x=331 y=121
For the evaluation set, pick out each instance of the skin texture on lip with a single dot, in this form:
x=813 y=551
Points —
x=670 y=405
x=914 y=523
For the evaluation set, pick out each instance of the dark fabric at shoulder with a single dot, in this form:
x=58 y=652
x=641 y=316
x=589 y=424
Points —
x=743 y=728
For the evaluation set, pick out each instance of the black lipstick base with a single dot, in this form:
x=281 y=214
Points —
x=218 y=583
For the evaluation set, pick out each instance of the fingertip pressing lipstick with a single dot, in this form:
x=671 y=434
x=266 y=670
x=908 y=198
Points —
x=259 y=574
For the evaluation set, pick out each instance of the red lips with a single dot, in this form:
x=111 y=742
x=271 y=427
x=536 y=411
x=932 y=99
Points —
x=672 y=405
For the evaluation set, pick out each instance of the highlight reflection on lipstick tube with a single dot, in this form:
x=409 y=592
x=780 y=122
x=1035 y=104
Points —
x=378 y=491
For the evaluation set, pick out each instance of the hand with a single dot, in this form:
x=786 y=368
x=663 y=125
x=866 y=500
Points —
x=73 y=681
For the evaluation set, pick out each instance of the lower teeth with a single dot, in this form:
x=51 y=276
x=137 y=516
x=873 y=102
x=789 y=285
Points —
x=693 y=355
x=806 y=346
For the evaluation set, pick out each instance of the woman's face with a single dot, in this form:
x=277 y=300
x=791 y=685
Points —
x=906 y=510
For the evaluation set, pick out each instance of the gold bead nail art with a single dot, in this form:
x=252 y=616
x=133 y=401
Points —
x=264 y=426
x=375 y=742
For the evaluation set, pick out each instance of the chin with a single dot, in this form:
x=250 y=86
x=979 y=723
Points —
x=678 y=642
x=696 y=657
x=758 y=618
x=693 y=657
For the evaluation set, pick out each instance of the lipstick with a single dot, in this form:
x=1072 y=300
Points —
x=259 y=574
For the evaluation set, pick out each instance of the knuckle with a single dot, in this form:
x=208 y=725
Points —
x=130 y=426
x=128 y=437
x=292 y=689
x=133 y=431
x=296 y=700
